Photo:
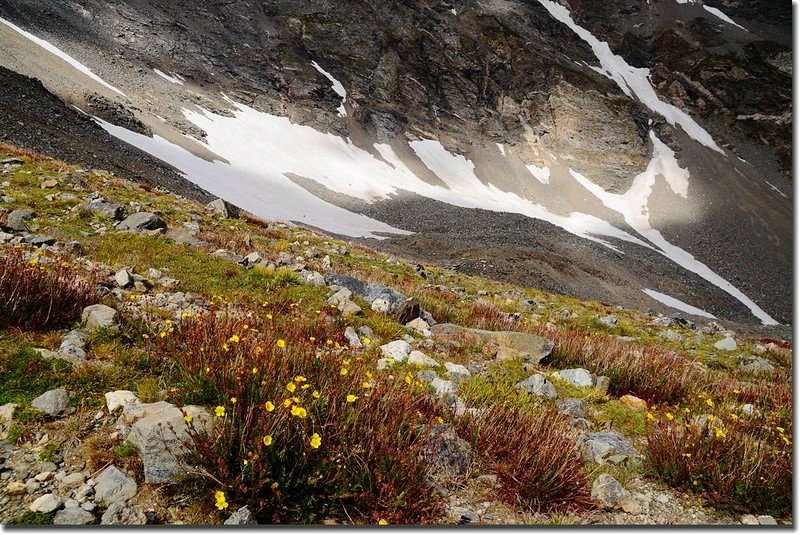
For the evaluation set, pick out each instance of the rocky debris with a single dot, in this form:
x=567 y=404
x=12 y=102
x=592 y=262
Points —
x=114 y=485
x=397 y=350
x=142 y=221
x=671 y=335
x=419 y=325
x=38 y=240
x=756 y=364
x=766 y=520
x=73 y=516
x=726 y=344
x=186 y=235
x=71 y=481
x=601 y=384
x=220 y=207
x=633 y=403
x=313 y=278
x=749 y=520
x=46 y=503
x=572 y=406
x=121 y=514
x=457 y=372
x=498 y=344
x=418 y=358
x=367 y=291
x=113 y=211
x=608 y=493
x=123 y=278
x=99 y=316
x=538 y=386
x=18 y=220
x=53 y=402
x=609 y=321
x=227 y=254
x=348 y=308
x=577 y=377
x=161 y=437
x=342 y=295
x=407 y=311
x=6 y=418
x=446 y=453
x=608 y=447
x=74 y=345
x=352 y=338
x=242 y=517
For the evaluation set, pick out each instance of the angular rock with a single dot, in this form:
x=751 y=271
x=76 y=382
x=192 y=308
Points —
x=380 y=305
x=458 y=373
x=71 y=481
x=123 y=278
x=352 y=338
x=74 y=516
x=315 y=279
x=46 y=504
x=609 y=321
x=601 y=384
x=348 y=308
x=608 y=493
x=6 y=418
x=528 y=347
x=726 y=344
x=572 y=406
x=342 y=295
x=142 y=221
x=52 y=402
x=39 y=240
x=418 y=358
x=242 y=517
x=99 y=316
x=577 y=377
x=446 y=453
x=397 y=350
x=419 y=325
x=220 y=207
x=74 y=344
x=538 y=386
x=118 y=399
x=749 y=520
x=443 y=389
x=135 y=410
x=604 y=447
x=367 y=291
x=114 y=485
x=18 y=219
x=633 y=403
x=407 y=311
x=111 y=210
x=161 y=438
x=757 y=365
x=120 y=514
x=766 y=520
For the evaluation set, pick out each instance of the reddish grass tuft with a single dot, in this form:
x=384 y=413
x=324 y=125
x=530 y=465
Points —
x=42 y=290
x=534 y=455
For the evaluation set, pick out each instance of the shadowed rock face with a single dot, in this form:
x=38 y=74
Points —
x=472 y=75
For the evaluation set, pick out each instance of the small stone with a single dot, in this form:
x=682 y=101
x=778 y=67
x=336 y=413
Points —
x=384 y=363
x=73 y=516
x=757 y=365
x=749 y=520
x=43 y=476
x=142 y=221
x=538 y=386
x=114 y=485
x=380 y=305
x=242 y=517
x=18 y=219
x=89 y=506
x=315 y=279
x=397 y=350
x=419 y=325
x=99 y=316
x=726 y=344
x=577 y=377
x=458 y=373
x=607 y=492
x=338 y=297
x=662 y=498
x=351 y=336
x=123 y=278
x=418 y=358
x=118 y=399
x=572 y=406
x=348 y=308
x=766 y=520
x=47 y=184
x=119 y=514
x=45 y=504
x=633 y=403
x=609 y=321
x=601 y=384
x=52 y=402
x=15 y=487
x=72 y=480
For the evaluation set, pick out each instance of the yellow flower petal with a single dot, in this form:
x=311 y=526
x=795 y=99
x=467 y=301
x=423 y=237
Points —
x=268 y=440
x=281 y=343
x=351 y=398
x=315 y=441
x=219 y=411
x=269 y=406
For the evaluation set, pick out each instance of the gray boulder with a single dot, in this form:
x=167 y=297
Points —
x=120 y=514
x=447 y=454
x=142 y=221
x=110 y=210
x=458 y=373
x=572 y=406
x=46 y=504
x=609 y=321
x=757 y=365
x=577 y=377
x=726 y=344
x=397 y=350
x=114 y=485
x=608 y=493
x=52 y=402
x=242 y=517
x=418 y=358
x=74 y=344
x=368 y=291
x=538 y=386
x=608 y=447
x=220 y=207
x=18 y=219
x=99 y=316
x=74 y=516
x=498 y=344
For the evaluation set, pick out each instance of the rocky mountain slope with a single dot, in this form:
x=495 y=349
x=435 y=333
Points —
x=612 y=152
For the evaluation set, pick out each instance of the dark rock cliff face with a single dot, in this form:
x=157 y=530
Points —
x=491 y=71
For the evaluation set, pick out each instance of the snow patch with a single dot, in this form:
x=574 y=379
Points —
x=338 y=88
x=61 y=54
x=722 y=16
x=776 y=189
x=175 y=79
x=677 y=304
x=501 y=148
x=631 y=80
x=542 y=174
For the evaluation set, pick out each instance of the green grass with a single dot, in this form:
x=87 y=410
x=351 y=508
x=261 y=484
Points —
x=49 y=453
x=29 y=518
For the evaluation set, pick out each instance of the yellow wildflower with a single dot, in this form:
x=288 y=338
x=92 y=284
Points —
x=255 y=371
x=225 y=347
x=295 y=399
x=245 y=327
x=306 y=386
x=780 y=430
x=346 y=362
x=233 y=400
x=315 y=394
x=736 y=391
x=650 y=416
x=312 y=338
x=316 y=440
x=291 y=387
x=343 y=371
x=366 y=341
x=281 y=343
x=269 y=316
x=786 y=440
x=719 y=433
x=382 y=522
x=734 y=417
x=188 y=418
x=710 y=417
x=162 y=334
x=669 y=416
x=269 y=406
x=300 y=412
x=366 y=384
x=440 y=420
x=219 y=411
x=709 y=402
x=408 y=379
x=300 y=379
x=145 y=336
x=219 y=496
x=287 y=402
x=268 y=440
x=234 y=339
x=351 y=398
